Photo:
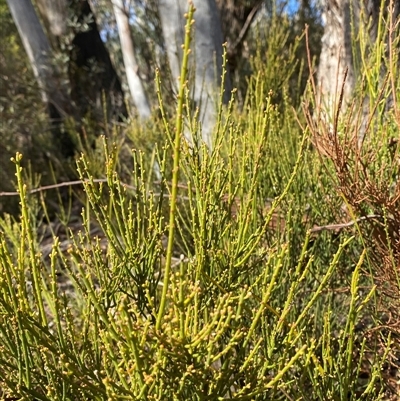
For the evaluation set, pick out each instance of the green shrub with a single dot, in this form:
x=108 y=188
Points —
x=211 y=283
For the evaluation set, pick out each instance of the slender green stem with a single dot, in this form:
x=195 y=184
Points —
x=27 y=230
x=175 y=172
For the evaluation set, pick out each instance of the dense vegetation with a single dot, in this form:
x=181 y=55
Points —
x=266 y=268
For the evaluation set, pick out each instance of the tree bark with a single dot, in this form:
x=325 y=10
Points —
x=336 y=54
x=207 y=59
x=38 y=50
x=55 y=16
x=339 y=46
x=92 y=78
x=136 y=88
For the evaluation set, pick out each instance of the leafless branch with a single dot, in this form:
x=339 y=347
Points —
x=337 y=227
x=59 y=185
x=245 y=28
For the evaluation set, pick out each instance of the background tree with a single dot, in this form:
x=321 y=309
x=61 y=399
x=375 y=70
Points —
x=136 y=88
x=22 y=110
x=236 y=18
x=350 y=37
x=87 y=67
x=39 y=52
x=207 y=49
x=83 y=37
x=336 y=54
x=92 y=76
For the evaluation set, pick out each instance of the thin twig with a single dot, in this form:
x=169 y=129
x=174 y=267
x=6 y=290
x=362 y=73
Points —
x=77 y=182
x=309 y=60
x=334 y=227
x=315 y=229
x=59 y=185
x=245 y=28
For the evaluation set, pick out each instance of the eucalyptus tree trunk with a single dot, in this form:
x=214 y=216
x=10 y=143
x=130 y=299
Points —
x=55 y=16
x=207 y=54
x=38 y=49
x=136 y=88
x=336 y=54
x=345 y=21
x=91 y=75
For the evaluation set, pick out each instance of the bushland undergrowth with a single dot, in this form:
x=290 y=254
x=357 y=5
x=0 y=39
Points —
x=263 y=269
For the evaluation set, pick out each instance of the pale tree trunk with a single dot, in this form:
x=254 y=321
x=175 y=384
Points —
x=93 y=84
x=91 y=75
x=88 y=86
x=207 y=54
x=131 y=66
x=336 y=55
x=55 y=15
x=38 y=50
